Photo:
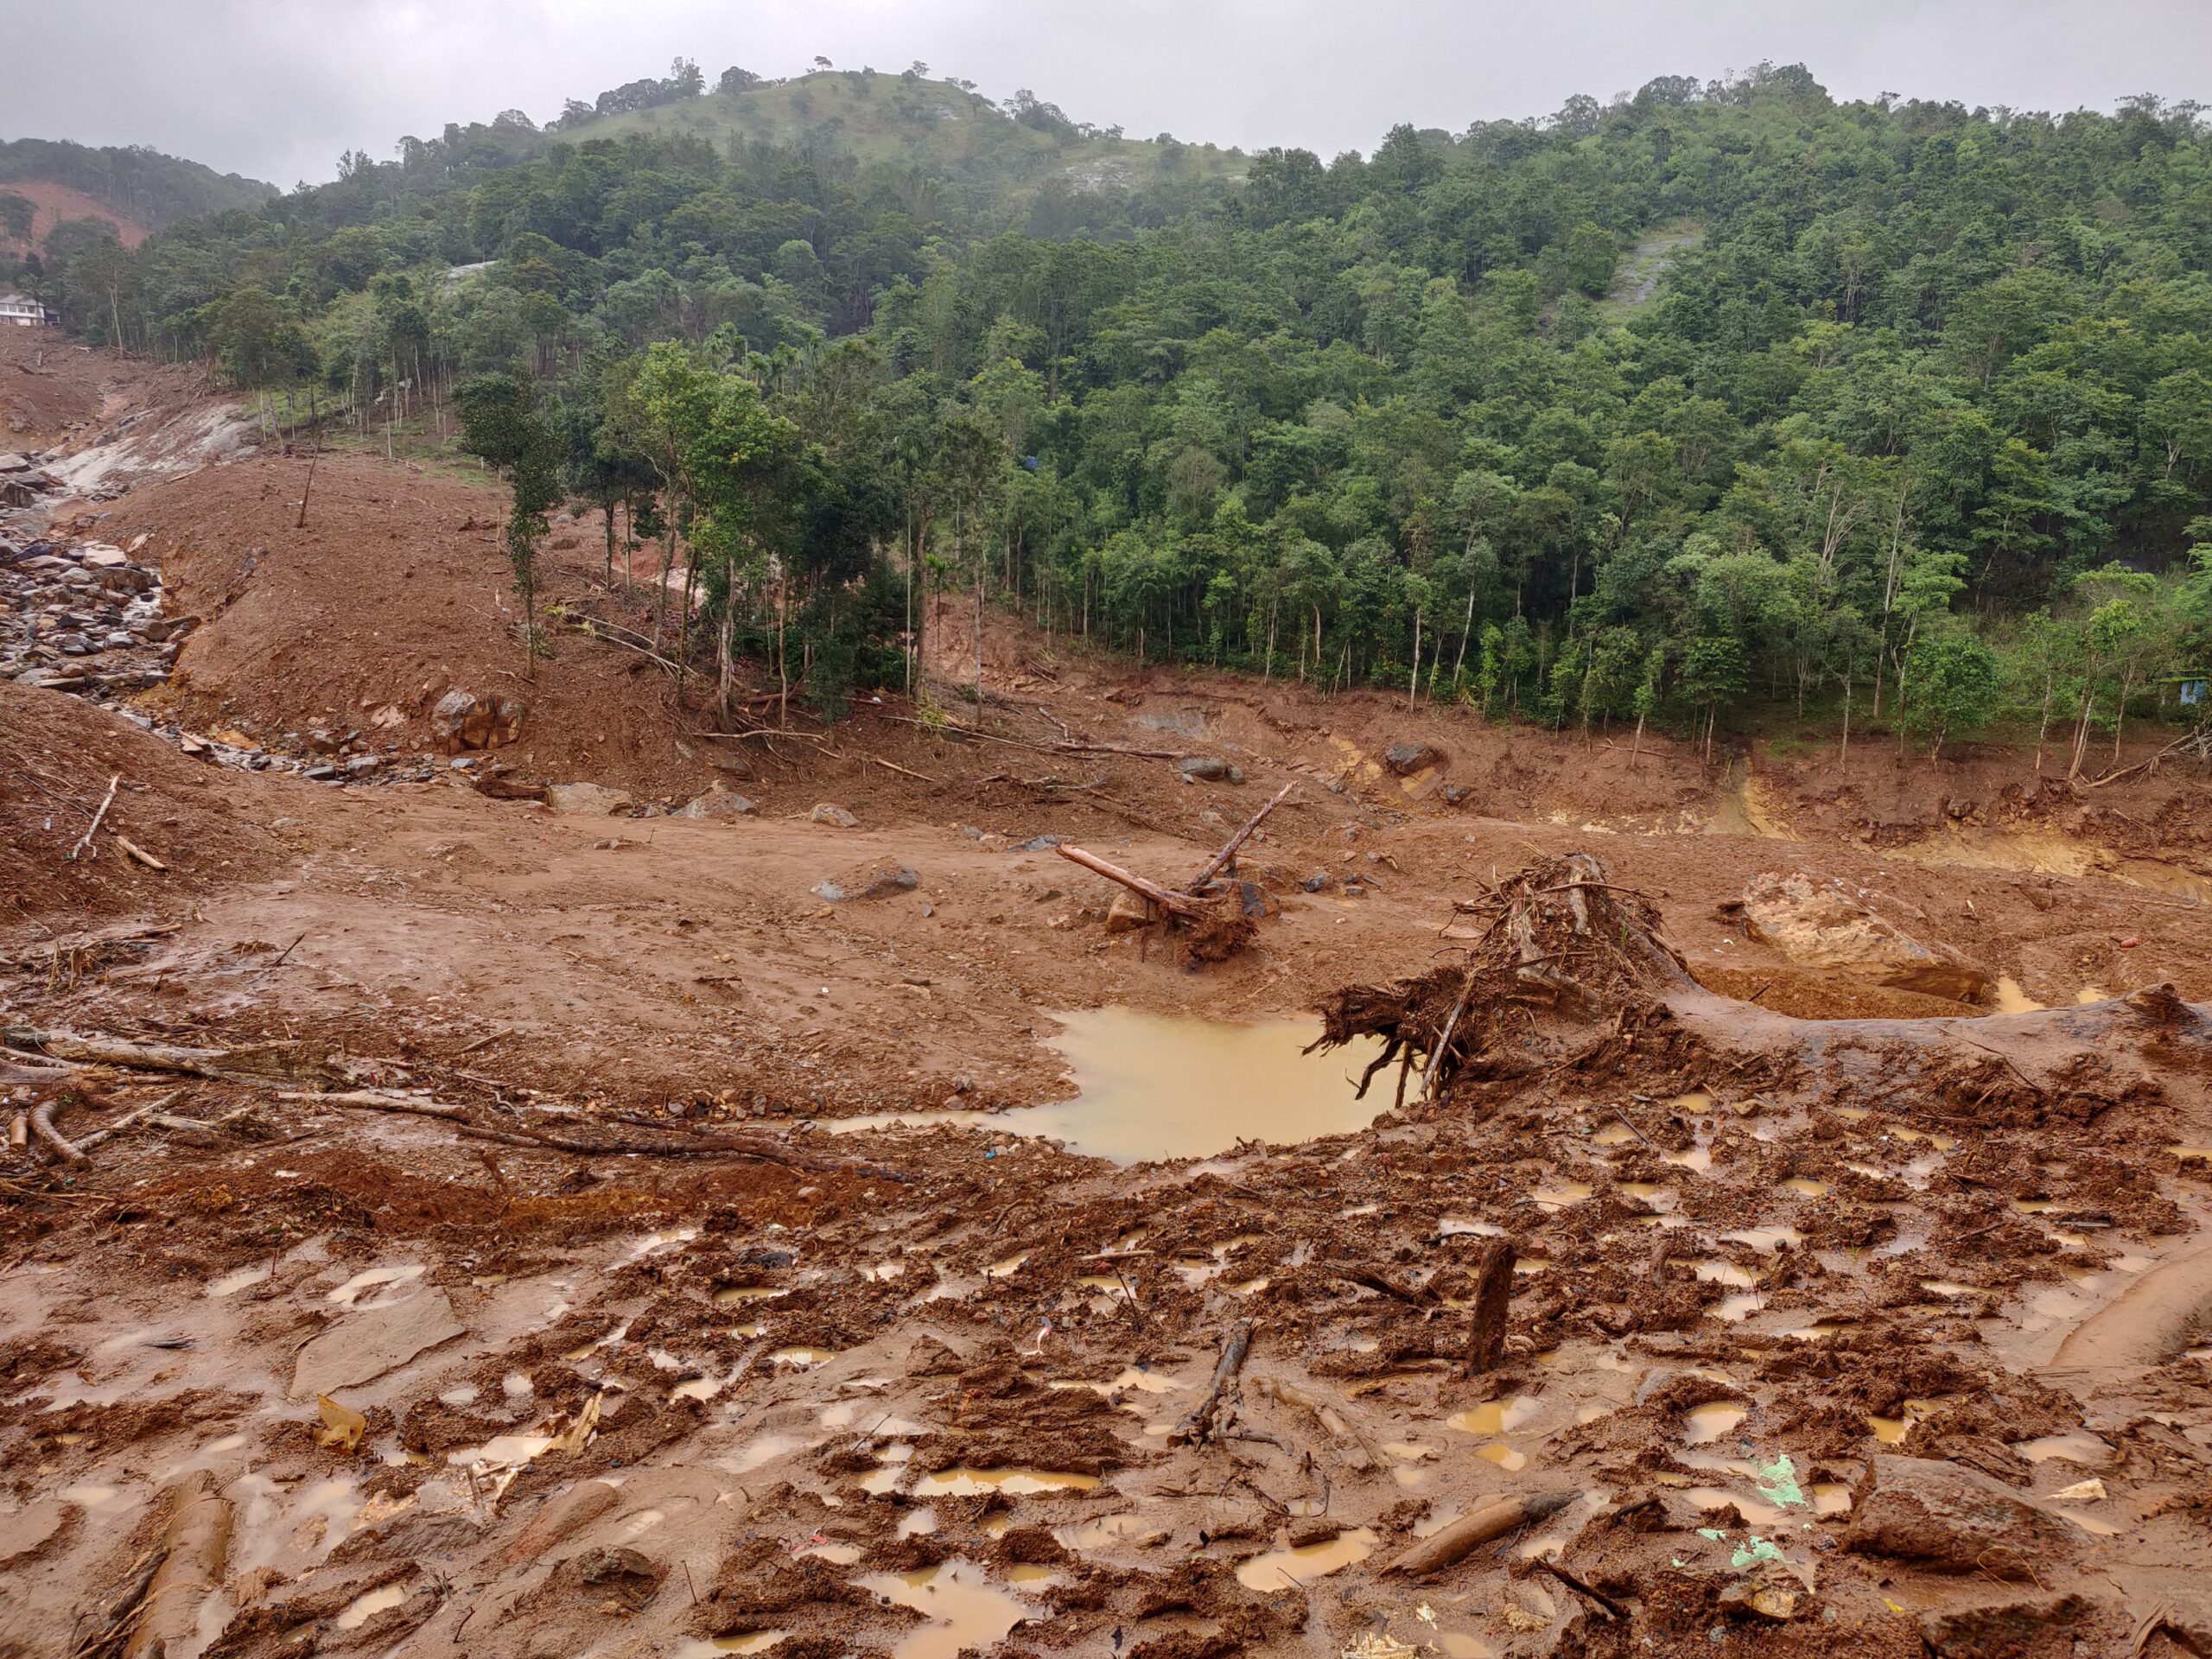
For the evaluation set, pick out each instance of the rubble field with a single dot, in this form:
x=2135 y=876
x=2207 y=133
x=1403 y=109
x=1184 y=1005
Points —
x=502 y=1169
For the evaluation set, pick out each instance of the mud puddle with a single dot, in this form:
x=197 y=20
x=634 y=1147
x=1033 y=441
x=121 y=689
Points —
x=965 y=1609
x=1168 y=1086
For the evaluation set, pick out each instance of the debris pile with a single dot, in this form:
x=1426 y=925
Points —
x=1553 y=952
x=84 y=617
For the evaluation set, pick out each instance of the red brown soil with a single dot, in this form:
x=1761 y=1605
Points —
x=397 y=592
x=563 y=974
x=53 y=203
x=56 y=757
x=55 y=392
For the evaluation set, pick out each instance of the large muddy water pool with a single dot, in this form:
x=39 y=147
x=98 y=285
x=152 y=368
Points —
x=1156 y=1085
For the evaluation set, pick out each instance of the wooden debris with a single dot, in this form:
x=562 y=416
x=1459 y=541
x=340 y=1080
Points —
x=1452 y=1544
x=1217 y=929
x=1612 y=1608
x=1337 y=1419
x=112 y=1051
x=197 y=1539
x=137 y=852
x=1493 y=1296
x=1244 y=831
x=85 y=840
x=1175 y=904
x=1563 y=949
x=1200 y=1423
x=61 y=1146
x=122 y=1612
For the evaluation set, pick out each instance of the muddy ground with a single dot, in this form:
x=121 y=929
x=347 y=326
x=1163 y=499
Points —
x=630 y=1353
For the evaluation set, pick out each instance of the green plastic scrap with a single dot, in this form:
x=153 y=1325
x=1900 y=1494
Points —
x=1777 y=1482
x=1713 y=1533
x=1751 y=1552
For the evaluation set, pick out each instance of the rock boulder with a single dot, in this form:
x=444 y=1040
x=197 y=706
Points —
x=1830 y=924
x=590 y=800
x=1945 y=1518
x=463 y=720
x=1406 y=758
x=717 y=803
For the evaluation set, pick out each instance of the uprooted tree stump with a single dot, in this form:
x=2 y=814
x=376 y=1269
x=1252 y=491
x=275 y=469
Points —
x=1552 y=952
x=1565 y=971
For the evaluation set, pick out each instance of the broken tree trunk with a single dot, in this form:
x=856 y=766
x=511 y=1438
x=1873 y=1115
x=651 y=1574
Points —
x=197 y=1539
x=42 y=1122
x=1199 y=1423
x=1493 y=1295
x=1455 y=1542
x=1175 y=904
x=238 y=1064
x=1220 y=861
x=1218 y=928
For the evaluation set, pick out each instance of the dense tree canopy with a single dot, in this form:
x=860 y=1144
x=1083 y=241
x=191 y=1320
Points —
x=1718 y=393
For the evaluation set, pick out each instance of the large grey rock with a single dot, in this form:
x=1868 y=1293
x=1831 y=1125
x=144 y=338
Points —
x=589 y=800
x=1406 y=758
x=879 y=883
x=463 y=720
x=717 y=803
x=363 y=1346
x=1949 y=1519
x=1208 y=768
x=827 y=812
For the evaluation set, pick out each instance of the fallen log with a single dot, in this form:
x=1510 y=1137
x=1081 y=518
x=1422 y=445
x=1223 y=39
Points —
x=1217 y=928
x=42 y=1122
x=1175 y=904
x=122 y=1124
x=1201 y=1421
x=1244 y=832
x=376 y=1100
x=110 y=1050
x=137 y=852
x=261 y=1064
x=198 y=1538
x=1339 y=1420
x=1455 y=1542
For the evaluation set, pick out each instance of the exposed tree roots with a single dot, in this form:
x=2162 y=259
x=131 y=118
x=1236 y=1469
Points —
x=1566 y=973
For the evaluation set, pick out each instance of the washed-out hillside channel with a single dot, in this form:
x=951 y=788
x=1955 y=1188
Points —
x=503 y=1168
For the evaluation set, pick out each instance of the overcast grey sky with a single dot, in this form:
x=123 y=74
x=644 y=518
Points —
x=277 y=88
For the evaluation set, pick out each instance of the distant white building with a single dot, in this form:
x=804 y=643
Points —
x=23 y=313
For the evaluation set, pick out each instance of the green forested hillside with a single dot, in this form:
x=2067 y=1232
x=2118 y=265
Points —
x=1721 y=397
x=141 y=184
